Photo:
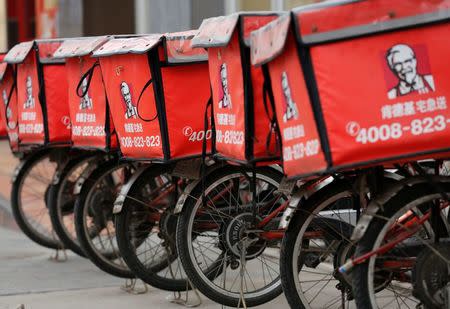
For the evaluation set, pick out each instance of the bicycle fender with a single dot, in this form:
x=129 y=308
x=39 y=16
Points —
x=303 y=192
x=183 y=197
x=187 y=191
x=118 y=203
x=377 y=204
x=296 y=198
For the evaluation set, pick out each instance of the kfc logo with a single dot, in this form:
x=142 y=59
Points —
x=86 y=100
x=29 y=103
x=290 y=108
x=66 y=121
x=225 y=98
x=131 y=110
x=411 y=71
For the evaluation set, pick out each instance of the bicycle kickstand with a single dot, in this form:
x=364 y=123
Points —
x=447 y=290
x=179 y=300
x=130 y=287
x=56 y=258
x=177 y=297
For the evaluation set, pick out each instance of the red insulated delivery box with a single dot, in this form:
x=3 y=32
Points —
x=158 y=88
x=243 y=115
x=362 y=91
x=3 y=129
x=41 y=93
x=91 y=122
x=9 y=115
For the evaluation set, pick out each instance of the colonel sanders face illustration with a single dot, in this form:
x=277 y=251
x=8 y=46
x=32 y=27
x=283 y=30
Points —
x=5 y=101
x=402 y=61
x=5 y=97
x=131 y=111
x=225 y=99
x=86 y=101
x=29 y=103
x=8 y=109
x=291 y=111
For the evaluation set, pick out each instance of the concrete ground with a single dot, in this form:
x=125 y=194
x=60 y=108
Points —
x=29 y=279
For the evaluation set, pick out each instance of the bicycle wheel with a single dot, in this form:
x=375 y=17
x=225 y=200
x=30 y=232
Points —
x=316 y=243
x=94 y=221
x=62 y=201
x=29 y=195
x=146 y=229
x=403 y=235
x=227 y=248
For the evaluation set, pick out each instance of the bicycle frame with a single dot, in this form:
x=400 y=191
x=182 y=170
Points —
x=406 y=226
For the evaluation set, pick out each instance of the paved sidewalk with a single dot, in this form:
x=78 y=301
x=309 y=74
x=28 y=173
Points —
x=26 y=268
x=7 y=165
x=28 y=277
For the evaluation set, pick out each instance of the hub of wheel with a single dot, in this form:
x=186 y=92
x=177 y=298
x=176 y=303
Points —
x=237 y=235
x=432 y=275
x=167 y=229
x=344 y=251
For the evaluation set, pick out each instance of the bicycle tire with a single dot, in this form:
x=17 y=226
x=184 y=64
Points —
x=17 y=211
x=96 y=257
